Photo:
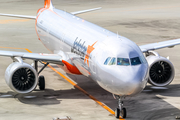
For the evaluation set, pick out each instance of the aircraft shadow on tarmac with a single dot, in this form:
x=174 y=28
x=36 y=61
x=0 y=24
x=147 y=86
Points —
x=145 y=106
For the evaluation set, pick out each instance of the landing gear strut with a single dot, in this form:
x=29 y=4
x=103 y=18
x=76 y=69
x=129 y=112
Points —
x=41 y=78
x=120 y=111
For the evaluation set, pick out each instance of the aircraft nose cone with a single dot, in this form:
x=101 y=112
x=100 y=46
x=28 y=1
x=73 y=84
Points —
x=133 y=82
x=132 y=86
x=136 y=85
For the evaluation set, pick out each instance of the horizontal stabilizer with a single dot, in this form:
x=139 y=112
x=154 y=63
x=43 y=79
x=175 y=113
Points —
x=18 y=16
x=84 y=11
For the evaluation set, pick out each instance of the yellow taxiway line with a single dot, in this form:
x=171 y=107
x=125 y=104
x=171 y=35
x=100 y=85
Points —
x=13 y=21
x=74 y=84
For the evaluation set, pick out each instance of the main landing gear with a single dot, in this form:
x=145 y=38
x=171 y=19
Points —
x=41 y=78
x=120 y=111
x=41 y=83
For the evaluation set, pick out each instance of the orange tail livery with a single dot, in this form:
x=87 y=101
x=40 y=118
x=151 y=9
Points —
x=48 y=4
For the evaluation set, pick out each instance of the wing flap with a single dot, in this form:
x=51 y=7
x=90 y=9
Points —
x=18 y=16
x=84 y=11
x=159 y=45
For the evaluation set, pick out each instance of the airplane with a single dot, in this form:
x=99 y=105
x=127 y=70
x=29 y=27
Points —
x=79 y=47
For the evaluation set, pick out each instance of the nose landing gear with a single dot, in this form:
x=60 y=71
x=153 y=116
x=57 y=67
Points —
x=120 y=111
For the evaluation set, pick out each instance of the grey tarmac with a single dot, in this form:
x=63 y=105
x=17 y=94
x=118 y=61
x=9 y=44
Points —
x=141 y=21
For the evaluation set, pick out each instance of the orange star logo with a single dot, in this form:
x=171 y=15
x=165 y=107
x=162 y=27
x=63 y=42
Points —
x=89 y=50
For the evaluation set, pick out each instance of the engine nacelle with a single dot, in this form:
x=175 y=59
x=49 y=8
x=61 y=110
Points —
x=161 y=71
x=21 y=77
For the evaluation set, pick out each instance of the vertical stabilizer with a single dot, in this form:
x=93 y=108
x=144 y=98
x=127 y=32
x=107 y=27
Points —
x=48 y=4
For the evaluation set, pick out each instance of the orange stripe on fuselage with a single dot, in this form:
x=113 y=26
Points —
x=71 y=68
x=77 y=71
x=40 y=10
x=90 y=48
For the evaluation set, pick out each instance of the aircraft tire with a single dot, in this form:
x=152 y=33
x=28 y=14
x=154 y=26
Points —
x=41 y=83
x=117 y=112
x=123 y=113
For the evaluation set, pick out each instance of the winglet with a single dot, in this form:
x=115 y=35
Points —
x=48 y=4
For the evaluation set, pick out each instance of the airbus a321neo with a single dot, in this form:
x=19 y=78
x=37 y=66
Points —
x=79 y=47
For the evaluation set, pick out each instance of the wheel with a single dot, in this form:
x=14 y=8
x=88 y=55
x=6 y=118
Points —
x=123 y=113
x=117 y=112
x=41 y=83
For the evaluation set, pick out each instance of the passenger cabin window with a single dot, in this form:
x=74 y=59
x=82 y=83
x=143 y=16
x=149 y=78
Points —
x=113 y=61
x=107 y=60
x=135 y=61
x=123 y=61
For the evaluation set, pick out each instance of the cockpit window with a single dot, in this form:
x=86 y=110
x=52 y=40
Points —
x=107 y=60
x=113 y=61
x=135 y=61
x=143 y=59
x=123 y=61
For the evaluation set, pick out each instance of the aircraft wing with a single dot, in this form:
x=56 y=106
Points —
x=50 y=58
x=34 y=17
x=159 y=45
x=19 y=16
x=84 y=11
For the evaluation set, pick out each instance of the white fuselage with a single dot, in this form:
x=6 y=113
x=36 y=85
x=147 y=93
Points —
x=87 y=46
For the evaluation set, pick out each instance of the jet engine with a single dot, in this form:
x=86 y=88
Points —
x=161 y=70
x=21 y=77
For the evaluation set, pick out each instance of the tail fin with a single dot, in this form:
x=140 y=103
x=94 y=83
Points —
x=48 y=4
